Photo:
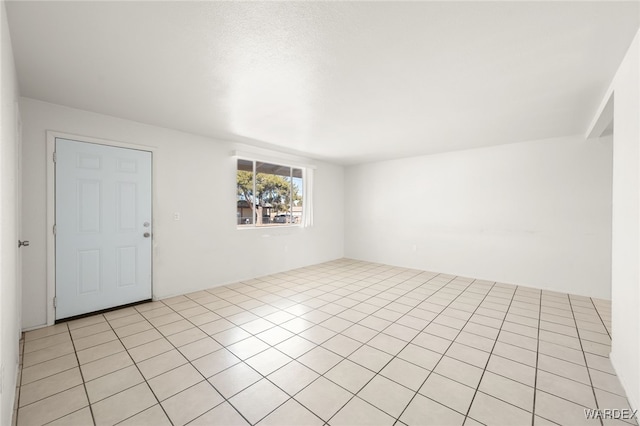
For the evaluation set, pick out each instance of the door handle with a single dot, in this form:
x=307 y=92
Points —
x=146 y=235
x=23 y=243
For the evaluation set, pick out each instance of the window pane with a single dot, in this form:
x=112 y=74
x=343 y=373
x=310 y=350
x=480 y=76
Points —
x=297 y=195
x=273 y=189
x=244 y=181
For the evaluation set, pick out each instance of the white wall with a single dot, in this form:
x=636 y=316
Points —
x=625 y=349
x=9 y=287
x=195 y=176
x=534 y=213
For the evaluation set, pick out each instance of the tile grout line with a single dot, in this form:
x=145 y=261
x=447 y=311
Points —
x=599 y=316
x=21 y=366
x=84 y=385
x=535 y=377
x=138 y=369
x=448 y=347
x=376 y=373
x=484 y=370
x=344 y=358
x=340 y=333
x=595 y=397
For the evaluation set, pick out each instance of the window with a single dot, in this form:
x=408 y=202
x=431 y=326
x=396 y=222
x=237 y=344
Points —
x=268 y=194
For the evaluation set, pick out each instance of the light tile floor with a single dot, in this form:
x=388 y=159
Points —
x=340 y=343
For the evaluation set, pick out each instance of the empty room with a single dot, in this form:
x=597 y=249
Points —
x=320 y=213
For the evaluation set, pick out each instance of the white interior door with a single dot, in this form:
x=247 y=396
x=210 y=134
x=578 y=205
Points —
x=103 y=227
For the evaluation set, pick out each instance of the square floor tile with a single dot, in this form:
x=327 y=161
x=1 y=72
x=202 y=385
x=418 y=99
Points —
x=187 y=336
x=215 y=362
x=231 y=336
x=274 y=335
x=607 y=382
x=292 y=413
x=513 y=370
x=401 y=332
x=94 y=340
x=49 y=386
x=507 y=390
x=492 y=411
x=424 y=411
x=468 y=354
x=268 y=361
x=359 y=333
x=387 y=343
x=106 y=365
x=174 y=381
x=79 y=418
x=318 y=334
x=234 y=379
x=154 y=416
x=151 y=349
x=258 y=400
x=336 y=324
x=222 y=415
x=79 y=333
x=323 y=397
x=46 y=332
x=46 y=342
x=123 y=405
x=448 y=392
x=559 y=410
x=475 y=341
x=113 y=383
x=515 y=353
x=99 y=351
x=371 y=358
x=53 y=407
x=565 y=388
x=293 y=377
x=359 y=412
x=342 y=345
x=419 y=356
x=48 y=368
x=562 y=352
x=138 y=339
x=387 y=395
x=320 y=360
x=432 y=342
x=350 y=375
x=47 y=354
x=133 y=329
x=248 y=347
x=162 y=363
x=405 y=373
x=191 y=403
x=459 y=371
x=563 y=368
x=295 y=346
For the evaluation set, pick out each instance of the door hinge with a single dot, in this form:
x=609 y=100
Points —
x=55 y=302
x=55 y=157
x=55 y=229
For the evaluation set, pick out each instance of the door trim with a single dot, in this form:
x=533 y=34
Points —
x=51 y=207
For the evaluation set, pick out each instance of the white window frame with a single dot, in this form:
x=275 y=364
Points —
x=306 y=218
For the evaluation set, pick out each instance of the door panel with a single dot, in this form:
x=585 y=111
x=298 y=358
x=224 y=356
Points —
x=103 y=210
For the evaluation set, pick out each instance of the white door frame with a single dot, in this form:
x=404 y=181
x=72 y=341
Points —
x=19 y=221
x=51 y=207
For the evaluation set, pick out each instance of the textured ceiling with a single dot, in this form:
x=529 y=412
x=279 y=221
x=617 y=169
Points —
x=344 y=81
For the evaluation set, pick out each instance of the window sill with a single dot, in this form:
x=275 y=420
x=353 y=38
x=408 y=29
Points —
x=270 y=227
